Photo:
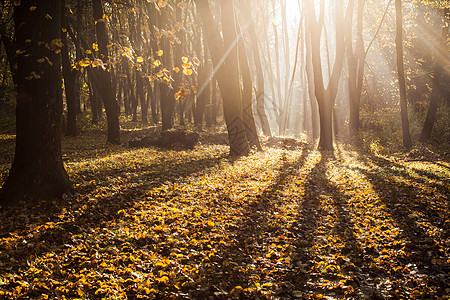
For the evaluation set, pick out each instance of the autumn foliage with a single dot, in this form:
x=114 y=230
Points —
x=287 y=223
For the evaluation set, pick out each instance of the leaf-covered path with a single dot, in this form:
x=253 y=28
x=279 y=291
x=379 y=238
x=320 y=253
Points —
x=282 y=224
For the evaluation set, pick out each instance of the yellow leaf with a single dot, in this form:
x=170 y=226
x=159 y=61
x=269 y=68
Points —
x=157 y=63
x=176 y=69
x=95 y=46
x=163 y=279
x=139 y=59
x=186 y=65
x=187 y=72
x=185 y=59
x=63 y=29
x=84 y=63
x=210 y=223
x=159 y=52
x=32 y=8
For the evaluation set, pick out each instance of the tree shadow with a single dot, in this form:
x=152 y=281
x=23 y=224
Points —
x=89 y=212
x=401 y=170
x=403 y=203
x=403 y=190
x=352 y=258
x=251 y=239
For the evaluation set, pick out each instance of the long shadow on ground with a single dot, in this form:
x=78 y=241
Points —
x=246 y=262
x=88 y=212
x=406 y=204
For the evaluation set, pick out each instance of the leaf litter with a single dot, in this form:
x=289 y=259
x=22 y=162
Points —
x=287 y=223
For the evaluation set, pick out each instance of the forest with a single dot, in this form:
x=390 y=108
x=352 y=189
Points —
x=225 y=149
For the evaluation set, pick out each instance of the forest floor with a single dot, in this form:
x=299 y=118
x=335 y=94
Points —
x=290 y=222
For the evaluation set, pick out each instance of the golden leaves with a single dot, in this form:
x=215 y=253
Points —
x=157 y=224
x=187 y=72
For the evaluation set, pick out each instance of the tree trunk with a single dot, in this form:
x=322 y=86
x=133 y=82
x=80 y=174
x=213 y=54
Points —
x=37 y=171
x=167 y=100
x=326 y=96
x=407 y=143
x=10 y=49
x=247 y=95
x=310 y=79
x=278 y=110
x=70 y=78
x=204 y=79
x=435 y=98
x=355 y=65
x=106 y=89
x=260 y=90
x=228 y=73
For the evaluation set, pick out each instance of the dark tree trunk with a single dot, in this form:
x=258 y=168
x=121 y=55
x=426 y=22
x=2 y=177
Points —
x=205 y=87
x=10 y=49
x=407 y=143
x=167 y=100
x=106 y=88
x=141 y=95
x=70 y=79
x=37 y=171
x=436 y=96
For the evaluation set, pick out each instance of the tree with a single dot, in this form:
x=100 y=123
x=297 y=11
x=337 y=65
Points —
x=325 y=96
x=70 y=78
x=407 y=143
x=37 y=171
x=260 y=89
x=247 y=94
x=437 y=77
x=227 y=73
x=104 y=75
x=355 y=65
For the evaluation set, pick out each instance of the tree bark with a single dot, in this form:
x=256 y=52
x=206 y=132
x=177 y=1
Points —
x=407 y=143
x=247 y=95
x=325 y=96
x=106 y=89
x=435 y=98
x=355 y=65
x=70 y=78
x=227 y=73
x=37 y=172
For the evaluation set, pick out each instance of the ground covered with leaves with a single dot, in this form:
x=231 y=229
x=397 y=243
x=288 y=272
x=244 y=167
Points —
x=286 y=223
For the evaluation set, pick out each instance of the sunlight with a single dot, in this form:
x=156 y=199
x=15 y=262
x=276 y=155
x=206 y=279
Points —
x=293 y=10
